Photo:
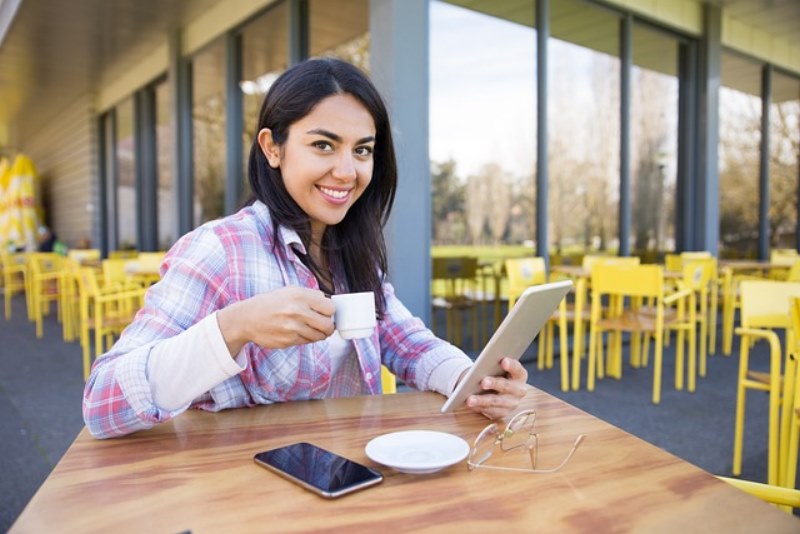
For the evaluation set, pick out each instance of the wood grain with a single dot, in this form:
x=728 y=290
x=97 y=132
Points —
x=197 y=474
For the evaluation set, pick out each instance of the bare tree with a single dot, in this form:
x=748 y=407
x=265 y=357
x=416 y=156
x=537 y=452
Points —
x=498 y=200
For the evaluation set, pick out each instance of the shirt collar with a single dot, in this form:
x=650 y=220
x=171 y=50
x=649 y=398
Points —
x=290 y=239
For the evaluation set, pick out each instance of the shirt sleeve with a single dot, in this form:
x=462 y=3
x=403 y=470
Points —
x=118 y=397
x=414 y=354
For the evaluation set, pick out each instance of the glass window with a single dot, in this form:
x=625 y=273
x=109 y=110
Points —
x=340 y=29
x=483 y=124
x=265 y=55
x=784 y=160
x=583 y=116
x=739 y=152
x=126 y=176
x=167 y=210
x=208 y=119
x=654 y=141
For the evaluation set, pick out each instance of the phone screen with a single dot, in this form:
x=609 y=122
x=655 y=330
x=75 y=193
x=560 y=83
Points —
x=318 y=470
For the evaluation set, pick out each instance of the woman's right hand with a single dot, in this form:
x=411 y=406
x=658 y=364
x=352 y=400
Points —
x=282 y=318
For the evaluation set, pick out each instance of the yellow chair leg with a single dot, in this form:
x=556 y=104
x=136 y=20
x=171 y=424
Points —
x=741 y=398
x=657 y=361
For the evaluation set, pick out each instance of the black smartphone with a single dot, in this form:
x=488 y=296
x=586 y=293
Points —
x=325 y=473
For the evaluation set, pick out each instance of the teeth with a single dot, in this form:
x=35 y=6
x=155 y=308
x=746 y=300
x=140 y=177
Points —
x=333 y=193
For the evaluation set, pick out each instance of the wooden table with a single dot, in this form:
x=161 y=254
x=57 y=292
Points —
x=197 y=474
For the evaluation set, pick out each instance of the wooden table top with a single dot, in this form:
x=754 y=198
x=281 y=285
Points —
x=196 y=473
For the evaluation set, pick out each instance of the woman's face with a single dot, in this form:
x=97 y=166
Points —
x=327 y=159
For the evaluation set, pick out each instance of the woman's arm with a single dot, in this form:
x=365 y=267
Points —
x=118 y=397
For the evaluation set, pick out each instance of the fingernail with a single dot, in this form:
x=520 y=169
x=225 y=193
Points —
x=487 y=383
x=472 y=401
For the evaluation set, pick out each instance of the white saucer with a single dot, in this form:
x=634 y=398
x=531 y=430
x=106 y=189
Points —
x=417 y=451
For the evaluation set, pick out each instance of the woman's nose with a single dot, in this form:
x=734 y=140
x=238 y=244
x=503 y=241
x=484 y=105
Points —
x=345 y=168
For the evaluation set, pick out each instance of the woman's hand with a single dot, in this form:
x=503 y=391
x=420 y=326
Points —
x=503 y=394
x=282 y=318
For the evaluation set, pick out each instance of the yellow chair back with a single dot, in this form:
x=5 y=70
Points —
x=765 y=303
x=698 y=273
x=783 y=256
x=114 y=272
x=794 y=272
x=151 y=259
x=523 y=273
x=673 y=262
x=628 y=280
x=82 y=255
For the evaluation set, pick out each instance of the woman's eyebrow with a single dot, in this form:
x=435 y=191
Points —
x=335 y=137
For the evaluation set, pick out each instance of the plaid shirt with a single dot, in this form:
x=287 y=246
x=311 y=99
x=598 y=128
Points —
x=229 y=260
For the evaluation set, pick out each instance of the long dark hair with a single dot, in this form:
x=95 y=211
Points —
x=358 y=238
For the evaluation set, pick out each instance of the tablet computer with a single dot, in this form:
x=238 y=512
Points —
x=514 y=335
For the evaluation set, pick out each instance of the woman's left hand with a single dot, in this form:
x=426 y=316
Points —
x=503 y=394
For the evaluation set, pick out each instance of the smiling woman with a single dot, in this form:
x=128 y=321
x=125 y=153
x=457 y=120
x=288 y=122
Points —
x=241 y=315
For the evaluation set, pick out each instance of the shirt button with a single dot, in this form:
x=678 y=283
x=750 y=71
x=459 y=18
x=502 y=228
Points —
x=369 y=376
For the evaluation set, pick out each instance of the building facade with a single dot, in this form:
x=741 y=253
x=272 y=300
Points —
x=635 y=126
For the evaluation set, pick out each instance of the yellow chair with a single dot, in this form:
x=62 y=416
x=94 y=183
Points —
x=791 y=405
x=123 y=254
x=582 y=309
x=69 y=299
x=700 y=276
x=84 y=255
x=786 y=497
x=15 y=277
x=148 y=264
x=388 y=381
x=523 y=273
x=794 y=272
x=764 y=308
x=114 y=274
x=626 y=287
x=45 y=271
x=106 y=311
x=676 y=263
x=673 y=262
x=454 y=285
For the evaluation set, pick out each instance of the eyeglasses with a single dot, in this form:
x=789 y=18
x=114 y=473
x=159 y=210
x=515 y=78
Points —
x=519 y=433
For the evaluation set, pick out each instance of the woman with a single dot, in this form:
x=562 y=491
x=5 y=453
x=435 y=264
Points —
x=241 y=317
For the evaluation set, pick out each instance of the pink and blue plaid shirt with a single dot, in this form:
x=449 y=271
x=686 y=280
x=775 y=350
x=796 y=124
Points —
x=229 y=260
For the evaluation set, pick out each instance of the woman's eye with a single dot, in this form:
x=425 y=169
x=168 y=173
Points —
x=364 y=150
x=322 y=145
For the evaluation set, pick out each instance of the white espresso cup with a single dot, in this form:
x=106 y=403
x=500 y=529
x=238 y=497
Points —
x=355 y=314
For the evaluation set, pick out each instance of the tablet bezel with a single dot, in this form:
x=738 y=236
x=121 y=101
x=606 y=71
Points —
x=512 y=338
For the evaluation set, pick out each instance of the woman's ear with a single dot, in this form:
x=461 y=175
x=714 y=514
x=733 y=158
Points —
x=271 y=150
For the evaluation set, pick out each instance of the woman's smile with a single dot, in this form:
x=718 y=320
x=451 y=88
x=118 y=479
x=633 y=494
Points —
x=335 y=195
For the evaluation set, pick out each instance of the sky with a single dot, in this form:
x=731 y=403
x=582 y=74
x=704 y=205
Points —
x=483 y=92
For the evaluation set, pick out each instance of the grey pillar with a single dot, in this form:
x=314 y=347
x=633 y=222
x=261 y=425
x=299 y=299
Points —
x=146 y=169
x=399 y=64
x=179 y=78
x=234 y=123
x=763 y=167
x=298 y=31
x=706 y=234
x=111 y=178
x=687 y=152
x=542 y=170
x=626 y=62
